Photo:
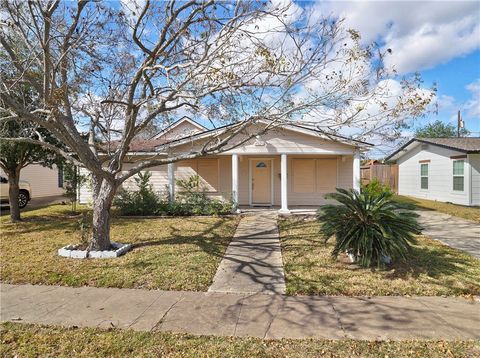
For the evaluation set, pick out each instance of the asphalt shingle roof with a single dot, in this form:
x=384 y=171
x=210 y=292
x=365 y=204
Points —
x=463 y=144
x=466 y=144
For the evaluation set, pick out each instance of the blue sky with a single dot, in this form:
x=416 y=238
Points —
x=454 y=78
x=438 y=39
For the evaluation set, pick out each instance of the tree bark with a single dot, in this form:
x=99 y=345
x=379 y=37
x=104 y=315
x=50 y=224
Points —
x=13 y=191
x=103 y=193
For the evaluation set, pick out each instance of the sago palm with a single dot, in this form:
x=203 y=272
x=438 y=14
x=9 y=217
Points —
x=370 y=227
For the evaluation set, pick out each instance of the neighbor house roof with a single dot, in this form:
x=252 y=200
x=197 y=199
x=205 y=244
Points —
x=177 y=123
x=462 y=144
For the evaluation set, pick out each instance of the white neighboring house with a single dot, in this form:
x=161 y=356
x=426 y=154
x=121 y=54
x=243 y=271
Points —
x=443 y=169
x=43 y=181
x=291 y=165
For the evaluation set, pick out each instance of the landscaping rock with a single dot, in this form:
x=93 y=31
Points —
x=72 y=252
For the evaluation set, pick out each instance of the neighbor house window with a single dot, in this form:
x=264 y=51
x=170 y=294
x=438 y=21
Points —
x=458 y=179
x=424 y=176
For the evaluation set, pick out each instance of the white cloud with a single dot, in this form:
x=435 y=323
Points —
x=472 y=106
x=421 y=34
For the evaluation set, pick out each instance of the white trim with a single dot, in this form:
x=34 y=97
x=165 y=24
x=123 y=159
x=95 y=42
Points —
x=425 y=176
x=462 y=192
x=356 y=185
x=311 y=152
x=250 y=181
x=284 y=184
x=176 y=124
x=470 y=187
x=235 y=180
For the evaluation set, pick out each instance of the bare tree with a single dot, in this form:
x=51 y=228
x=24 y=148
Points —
x=113 y=71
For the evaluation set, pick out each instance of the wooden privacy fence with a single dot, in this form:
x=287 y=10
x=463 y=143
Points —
x=386 y=174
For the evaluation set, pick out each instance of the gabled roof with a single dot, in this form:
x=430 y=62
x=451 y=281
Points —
x=291 y=126
x=462 y=144
x=177 y=123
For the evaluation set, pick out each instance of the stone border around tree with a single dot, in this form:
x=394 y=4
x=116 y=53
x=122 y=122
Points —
x=71 y=251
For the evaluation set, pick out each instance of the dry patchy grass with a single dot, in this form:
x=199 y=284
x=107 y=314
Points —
x=22 y=340
x=432 y=269
x=170 y=253
x=465 y=212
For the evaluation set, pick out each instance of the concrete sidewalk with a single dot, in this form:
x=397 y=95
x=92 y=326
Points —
x=452 y=231
x=253 y=261
x=240 y=314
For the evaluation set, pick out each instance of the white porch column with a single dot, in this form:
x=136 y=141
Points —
x=171 y=181
x=235 y=182
x=284 y=186
x=356 y=170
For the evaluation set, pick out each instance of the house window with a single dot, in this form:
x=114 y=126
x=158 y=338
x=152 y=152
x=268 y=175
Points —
x=458 y=177
x=424 y=176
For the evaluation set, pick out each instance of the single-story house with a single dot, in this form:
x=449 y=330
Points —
x=443 y=169
x=289 y=165
x=44 y=181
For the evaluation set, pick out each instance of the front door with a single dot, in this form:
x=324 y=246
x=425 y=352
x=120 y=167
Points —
x=261 y=185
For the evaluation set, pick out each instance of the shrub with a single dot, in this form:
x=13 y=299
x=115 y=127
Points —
x=190 y=201
x=144 y=201
x=376 y=188
x=197 y=202
x=370 y=227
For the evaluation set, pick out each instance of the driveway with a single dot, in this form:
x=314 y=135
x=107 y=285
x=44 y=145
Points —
x=36 y=203
x=452 y=231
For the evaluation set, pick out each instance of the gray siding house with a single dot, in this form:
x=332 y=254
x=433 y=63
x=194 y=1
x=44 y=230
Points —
x=443 y=169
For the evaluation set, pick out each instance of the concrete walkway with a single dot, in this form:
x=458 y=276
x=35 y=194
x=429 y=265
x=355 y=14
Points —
x=253 y=260
x=452 y=231
x=241 y=314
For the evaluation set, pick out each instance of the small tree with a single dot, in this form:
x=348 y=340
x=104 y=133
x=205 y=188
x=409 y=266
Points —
x=14 y=156
x=438 y=129
x=73 y=181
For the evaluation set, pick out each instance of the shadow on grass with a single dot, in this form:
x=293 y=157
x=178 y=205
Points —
x=428 y=263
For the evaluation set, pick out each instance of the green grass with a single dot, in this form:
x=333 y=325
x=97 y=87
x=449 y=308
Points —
x=432 y=269
x=465 y=212
x=169 y=253
x=22 y=340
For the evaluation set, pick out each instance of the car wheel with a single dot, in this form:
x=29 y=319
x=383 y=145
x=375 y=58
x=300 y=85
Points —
x=22 y=199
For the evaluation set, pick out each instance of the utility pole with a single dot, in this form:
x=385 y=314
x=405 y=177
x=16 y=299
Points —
x=460 y=124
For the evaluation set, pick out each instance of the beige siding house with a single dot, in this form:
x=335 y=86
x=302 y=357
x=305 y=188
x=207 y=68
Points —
x=44 y=181
x=443 y=169
x=289 y=166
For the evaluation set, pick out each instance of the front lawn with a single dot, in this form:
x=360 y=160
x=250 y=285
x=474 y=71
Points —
x=465 y=212
x=26 y=340
x=432 y=269
x=169 y=253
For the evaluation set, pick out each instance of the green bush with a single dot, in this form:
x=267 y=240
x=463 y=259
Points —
x=144 y=201
x=373 y=228
x=196 y=202
x=376 y=188
x=190 y=201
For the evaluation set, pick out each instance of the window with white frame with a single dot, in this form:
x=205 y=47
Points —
x=458 y=176
x=424 y=176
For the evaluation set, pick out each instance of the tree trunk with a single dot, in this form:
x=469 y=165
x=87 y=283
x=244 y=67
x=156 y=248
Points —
x=13 y=191
x=103 y=193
